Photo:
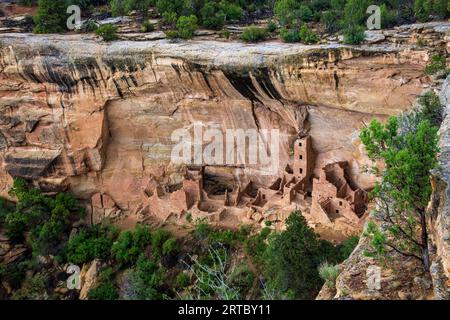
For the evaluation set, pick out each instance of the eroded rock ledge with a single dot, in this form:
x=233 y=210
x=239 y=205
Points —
x=97 y=118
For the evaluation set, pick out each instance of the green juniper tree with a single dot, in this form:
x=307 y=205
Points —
x=51 y=17
x=408 y=148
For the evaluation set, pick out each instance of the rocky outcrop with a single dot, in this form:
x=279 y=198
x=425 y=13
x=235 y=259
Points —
x=365 y=278
x=440 y=205
x=97 y=118
x=89 y=278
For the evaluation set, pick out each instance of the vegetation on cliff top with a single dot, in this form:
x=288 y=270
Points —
x=346 y=16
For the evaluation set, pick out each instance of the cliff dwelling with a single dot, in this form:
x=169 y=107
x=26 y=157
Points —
x=330 y=201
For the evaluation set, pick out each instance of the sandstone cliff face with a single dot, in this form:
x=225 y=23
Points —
x=440 y=205
x=98 y=118
x=401 y=277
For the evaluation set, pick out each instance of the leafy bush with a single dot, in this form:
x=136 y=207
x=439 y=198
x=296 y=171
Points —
x=147 y=27
x=255 y=245
x=307 y=35
x=159 y=238
x=105 y=291
x=47 y=219
x=186 y=26
x=254 y=34
x=354 y=35
x=272 y=26
x=108 y=32
x=438 y=63
x=290 y=35
x=292 y=13
x=331 y=21
x=34 y=288
x=182 y=280
x=146 y=280
x=202 y=229
x=431 y=108
x=91 y=243
x=51 y=17
x=171 y=34
x=329 y=274
x=130 y=244
x=170 y=18
x=169 y=247
x=347 y=247
x=90 y=26
x=423 y=9
x=242 y=277
x=292 y=258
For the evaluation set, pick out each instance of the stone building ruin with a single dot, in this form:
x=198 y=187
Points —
x=329 y=200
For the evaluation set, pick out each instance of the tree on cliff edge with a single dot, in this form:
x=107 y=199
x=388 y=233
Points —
x=51 y=17
x=408 y=147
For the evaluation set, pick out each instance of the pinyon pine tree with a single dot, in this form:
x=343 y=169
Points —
x=51 y=17
x=409 y=154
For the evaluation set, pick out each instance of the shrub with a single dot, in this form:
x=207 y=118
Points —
x=90 y=26
x=292 y=12
x=169 y=247
x=5 y=209
x=354 y=35
x=307 y=35
x=169 y=18
x=105 y=291
x=272 y=26
x=387 y=17
x=171 y=34
x=91 y=243
x=232 y=11
x=254 y=34
x=147 y=27
x=186 y=26
x=146 y=280
x=255 y=245
x=224 y=33
x=51 y=17
x=48 y=219
x=290 y=35
x=431 y=108
x=117 y=7
x=212 y=16
x=292 y=258
x=130 y=244
x=202 y=229
x=438 y=63
x=347 y=247
x=182 y=280
x=329 y=274
x=108 y=32
x=34 y=288
x=330 y=19
x=159 y=238
x=242 y=277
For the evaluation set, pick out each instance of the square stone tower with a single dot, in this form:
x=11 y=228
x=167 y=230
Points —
x=303 y=158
